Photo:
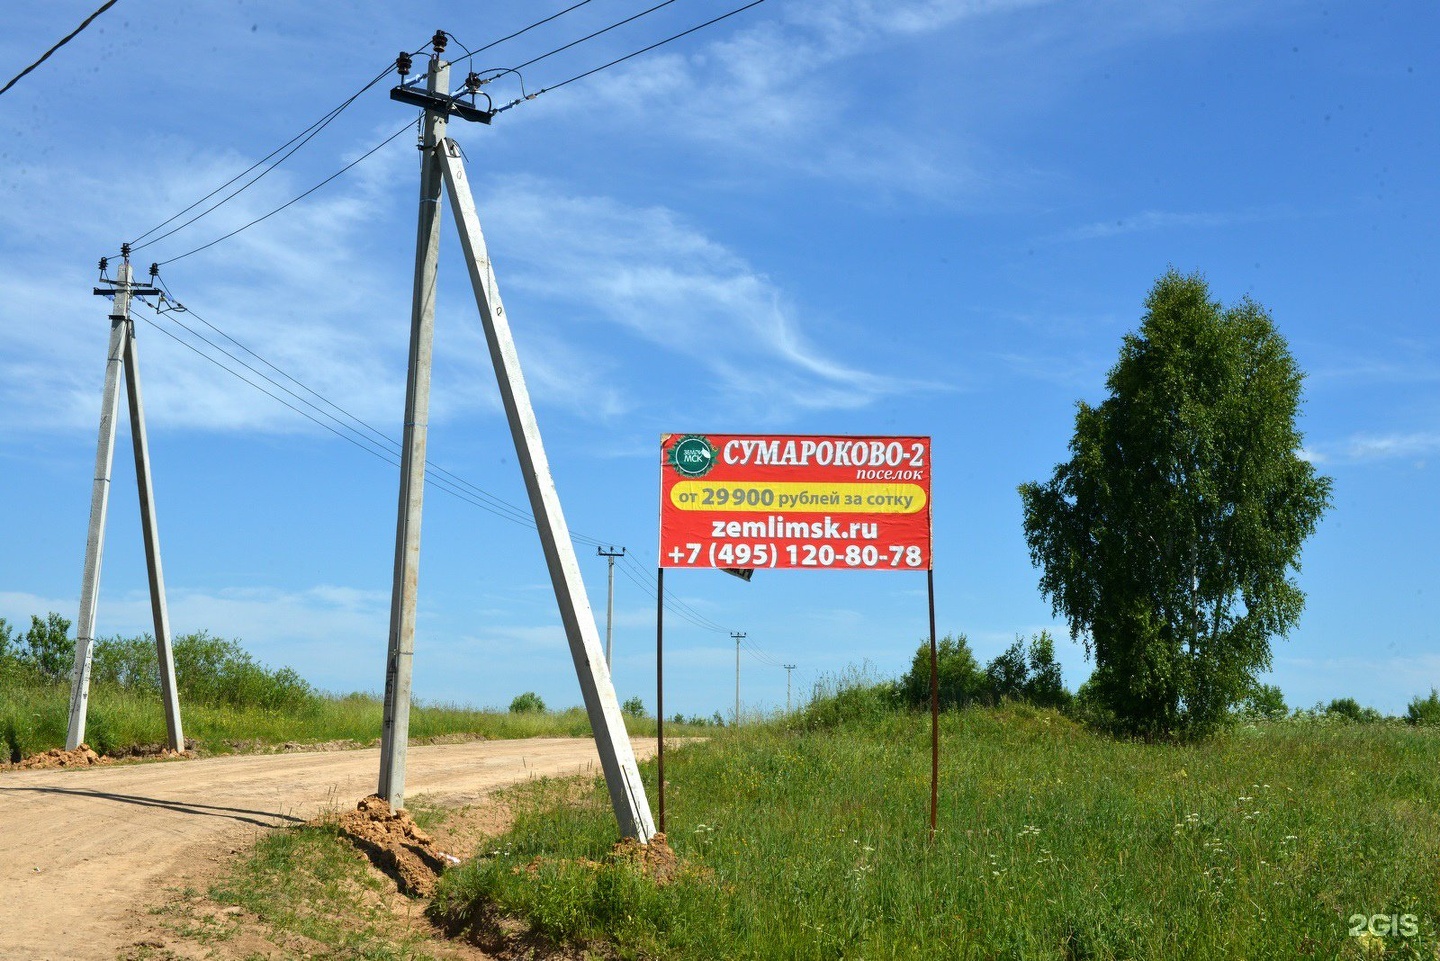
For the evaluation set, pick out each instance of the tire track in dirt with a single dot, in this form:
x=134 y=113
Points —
x=83 y=852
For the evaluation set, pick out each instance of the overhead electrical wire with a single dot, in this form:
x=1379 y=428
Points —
x=469 y=54
x=311 y=131
x=376 y=443
x=63 y=40
x=628 y=56
x=591 y=36
x=304 y=137
x=292 y=200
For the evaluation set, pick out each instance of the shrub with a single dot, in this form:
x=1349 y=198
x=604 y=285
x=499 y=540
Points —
x=1264 y=702
x=961 y=680
x=854 y=697
x=1350 y=709
x=1045 y=687
x=1424 y=710
x=208 y=670
x=527 y=703
x=633 y=706
x=49 y=650
x=1006 y=676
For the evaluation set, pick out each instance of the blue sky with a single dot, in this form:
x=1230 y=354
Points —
x=835 y=216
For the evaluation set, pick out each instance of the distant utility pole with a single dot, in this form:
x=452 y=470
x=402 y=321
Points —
x=788 y=669
x=612 y=553
x=122 y=355
x=739 y=636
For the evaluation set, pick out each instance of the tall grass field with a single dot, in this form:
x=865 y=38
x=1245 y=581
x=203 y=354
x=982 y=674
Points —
x=228 y=701
x=807 y=839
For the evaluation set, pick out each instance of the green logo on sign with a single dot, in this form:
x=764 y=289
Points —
x=693 y=456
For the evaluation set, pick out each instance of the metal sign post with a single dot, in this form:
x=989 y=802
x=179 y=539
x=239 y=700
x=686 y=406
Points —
x=748 y=502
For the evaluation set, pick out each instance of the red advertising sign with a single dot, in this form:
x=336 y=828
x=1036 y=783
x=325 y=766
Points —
x=807 y=502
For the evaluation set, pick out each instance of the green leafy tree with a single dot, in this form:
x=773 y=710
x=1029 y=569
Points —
x=1005 y=677
x=527 y=703
x=1045 y=687
x=1351 y=710
x=633 y=706
x=1424 y=710
x=49 y=650
x=7 y=644
x=961 y=680
x=1265 y=701
x=1169 y=537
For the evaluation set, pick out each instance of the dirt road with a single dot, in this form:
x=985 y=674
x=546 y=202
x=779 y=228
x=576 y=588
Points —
x=84 y=852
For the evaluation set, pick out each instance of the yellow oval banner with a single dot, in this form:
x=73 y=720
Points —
x=798 y=498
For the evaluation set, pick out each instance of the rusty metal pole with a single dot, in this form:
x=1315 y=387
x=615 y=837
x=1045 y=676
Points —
x=660 y=691
x=934 y=709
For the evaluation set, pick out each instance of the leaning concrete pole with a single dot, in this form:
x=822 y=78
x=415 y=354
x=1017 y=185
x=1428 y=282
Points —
x=99 y=504
x=400 y=655
x=617 y=757
x=159 y=610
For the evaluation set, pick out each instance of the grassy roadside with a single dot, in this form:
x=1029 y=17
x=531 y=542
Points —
x=33 y=719
x=808 y=841
x=302 y=891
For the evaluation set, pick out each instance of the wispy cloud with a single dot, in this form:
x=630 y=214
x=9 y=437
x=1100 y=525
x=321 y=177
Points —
x=1364 y=448
x=1152 y=220
x=657 y=278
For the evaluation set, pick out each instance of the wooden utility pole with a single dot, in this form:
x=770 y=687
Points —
x=788 y=669
x=400 y=653
x=122 y=357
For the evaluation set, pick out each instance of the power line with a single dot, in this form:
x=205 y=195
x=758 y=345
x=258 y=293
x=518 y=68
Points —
x=304 y=137
x=292 y=200
x=592 y=36
x=500 y=506
x=628 y=56
x=495 y=43
x=381 y=446
x=63 y=40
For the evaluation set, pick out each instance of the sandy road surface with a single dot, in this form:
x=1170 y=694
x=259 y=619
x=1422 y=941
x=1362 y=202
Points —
x=83 y=852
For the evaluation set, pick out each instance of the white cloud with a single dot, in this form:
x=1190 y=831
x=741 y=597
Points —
x=663 y=281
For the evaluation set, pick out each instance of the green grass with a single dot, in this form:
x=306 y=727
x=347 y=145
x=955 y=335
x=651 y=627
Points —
x=809 y=841
x=33 y=718
x=315 y=896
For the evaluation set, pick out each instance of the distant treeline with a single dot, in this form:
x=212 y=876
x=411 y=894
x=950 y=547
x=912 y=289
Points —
x=208 y=670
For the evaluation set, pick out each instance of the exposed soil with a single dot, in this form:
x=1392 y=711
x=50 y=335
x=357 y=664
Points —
x=395 y=844
x=87 y=853
x=82 y=756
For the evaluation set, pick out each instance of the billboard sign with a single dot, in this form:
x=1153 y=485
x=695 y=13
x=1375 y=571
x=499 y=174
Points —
x=805 y=502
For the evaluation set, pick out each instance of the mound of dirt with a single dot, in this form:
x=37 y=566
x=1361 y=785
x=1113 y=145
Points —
x=396 y=845
x=656 y=860
x=82 y=756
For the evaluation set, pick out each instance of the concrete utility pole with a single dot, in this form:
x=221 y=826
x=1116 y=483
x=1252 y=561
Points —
x=788 y=669
x=617 y=757
x=122 y=355
x=400 y=654
x=611 y=553
x=739 y=636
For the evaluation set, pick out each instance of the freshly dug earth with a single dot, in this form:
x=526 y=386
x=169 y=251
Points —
x=86 y=853
x=82 y=756
x=395 y=844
